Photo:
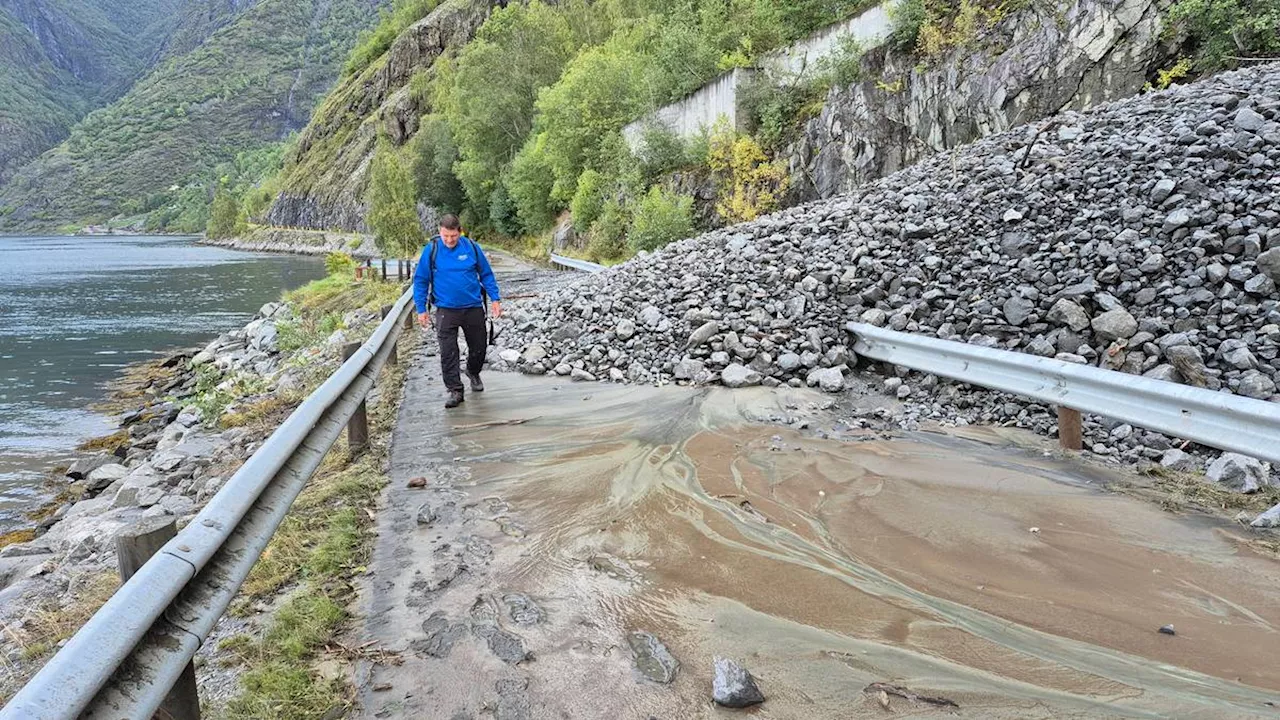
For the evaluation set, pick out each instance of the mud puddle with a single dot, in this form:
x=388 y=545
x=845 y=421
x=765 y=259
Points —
x=963 y=569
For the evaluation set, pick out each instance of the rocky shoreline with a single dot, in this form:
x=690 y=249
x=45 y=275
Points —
x=193 y=418
x=300 y=242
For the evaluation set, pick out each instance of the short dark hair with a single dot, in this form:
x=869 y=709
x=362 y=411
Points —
x=450 y=222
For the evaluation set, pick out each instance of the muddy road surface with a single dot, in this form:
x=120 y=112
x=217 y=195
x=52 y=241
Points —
x=562 y=530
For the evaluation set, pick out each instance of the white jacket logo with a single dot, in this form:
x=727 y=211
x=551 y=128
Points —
x=462 y=256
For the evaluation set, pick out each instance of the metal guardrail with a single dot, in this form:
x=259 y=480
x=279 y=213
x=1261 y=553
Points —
x=576 y=264
x=1218 y=419
x=124 y=660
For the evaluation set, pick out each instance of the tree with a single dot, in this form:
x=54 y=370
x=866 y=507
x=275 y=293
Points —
x=433 y=154
x=393 y=214
x=224 y=215
x=660 y=217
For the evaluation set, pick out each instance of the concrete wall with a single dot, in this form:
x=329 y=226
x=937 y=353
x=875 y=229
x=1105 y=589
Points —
x=718 y=99
x=700 y=111
x=870 y=29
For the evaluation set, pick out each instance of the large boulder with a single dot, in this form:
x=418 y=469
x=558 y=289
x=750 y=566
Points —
x=1239 y=472
x=736 y=376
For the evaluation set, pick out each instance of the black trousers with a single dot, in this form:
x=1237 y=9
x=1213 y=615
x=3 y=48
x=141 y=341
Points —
x=471 y=321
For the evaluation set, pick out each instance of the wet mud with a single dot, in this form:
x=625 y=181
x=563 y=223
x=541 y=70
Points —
x=592 y=561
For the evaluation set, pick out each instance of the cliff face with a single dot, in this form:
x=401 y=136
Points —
x=325 y=179
x=1038 y=62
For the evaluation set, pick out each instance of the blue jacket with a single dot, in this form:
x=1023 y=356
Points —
x=457 y=277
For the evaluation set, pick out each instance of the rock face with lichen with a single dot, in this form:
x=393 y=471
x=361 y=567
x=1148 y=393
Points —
x=1039 y=61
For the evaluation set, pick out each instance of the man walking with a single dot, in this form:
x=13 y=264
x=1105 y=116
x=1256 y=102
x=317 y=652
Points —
x=453 y=274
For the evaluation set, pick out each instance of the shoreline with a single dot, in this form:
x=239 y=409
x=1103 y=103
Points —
x=298 y=242
x=184 y=423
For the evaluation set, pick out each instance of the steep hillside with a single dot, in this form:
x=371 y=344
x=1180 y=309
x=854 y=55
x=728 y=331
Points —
x=59 y=59
x=324 y=181
x=250 y=83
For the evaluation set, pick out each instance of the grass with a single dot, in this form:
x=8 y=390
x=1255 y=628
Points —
x=57 y=619
x=107 y=443
x=13 y=537
x=266 y=411
x=324 y=541
x=1182 y=492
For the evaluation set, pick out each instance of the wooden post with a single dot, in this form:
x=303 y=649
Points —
x=134 y=546
x=1069 y=432
x=384 y=268
x=393 y=357
x=358 y=425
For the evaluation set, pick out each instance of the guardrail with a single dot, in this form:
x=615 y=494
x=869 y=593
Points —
x=126 y=658
x=576 y=264
x=1218 y=419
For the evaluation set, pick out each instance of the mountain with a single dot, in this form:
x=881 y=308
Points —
x=249 y=83
x=59 y=59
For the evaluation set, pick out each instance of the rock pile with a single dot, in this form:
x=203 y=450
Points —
x=1141 y=236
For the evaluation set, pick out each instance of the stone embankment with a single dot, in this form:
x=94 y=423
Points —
x=194 y=423
x=1141 y=236
x=301 y=242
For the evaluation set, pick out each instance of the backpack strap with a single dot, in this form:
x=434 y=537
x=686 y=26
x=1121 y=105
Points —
x=431 y=267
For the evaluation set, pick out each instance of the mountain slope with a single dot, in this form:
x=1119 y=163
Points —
x=59 y=59
x=249 y=84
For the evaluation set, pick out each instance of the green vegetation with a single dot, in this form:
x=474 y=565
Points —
x=84 y=56
x=1225 y=32
x=153 y=156
x=659 y=218
x=393 y=215
x=376 y=41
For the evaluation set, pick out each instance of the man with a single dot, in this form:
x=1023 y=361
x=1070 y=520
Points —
x=454 y=275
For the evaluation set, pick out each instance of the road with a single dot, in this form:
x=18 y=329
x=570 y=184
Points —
x=559 y=518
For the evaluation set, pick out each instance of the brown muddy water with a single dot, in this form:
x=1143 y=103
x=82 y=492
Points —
x=822 y=565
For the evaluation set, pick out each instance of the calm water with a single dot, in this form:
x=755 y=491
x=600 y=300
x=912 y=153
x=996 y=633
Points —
x=74 y=311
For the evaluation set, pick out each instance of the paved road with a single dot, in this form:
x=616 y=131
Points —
x=558 y=519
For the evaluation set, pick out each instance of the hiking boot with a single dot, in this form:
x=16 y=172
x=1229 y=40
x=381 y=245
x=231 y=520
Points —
x=455 y=399
x=476 y=385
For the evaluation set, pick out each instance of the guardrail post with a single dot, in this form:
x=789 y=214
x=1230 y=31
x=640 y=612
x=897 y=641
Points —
x=358 y=425
x=393 y=357
x=1070 y=435
x=134 y=546
x=384 y=268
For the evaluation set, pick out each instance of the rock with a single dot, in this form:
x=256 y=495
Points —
x=105 y=475
x=828 y=379
x=1017 y=310
x=733 y=686
x=1115 y=325
x=1162 y=191
x=652 y=658
x=1167 y=630
x=789 y=362
x=82 y=467
x=650 y=317
x=1178 y=460
x=1069 y=313
x=1248 y=120
x=581 y=375
x=702 y=334
x=509 y=356
x=1256 y=385
x=1268 y=519
x=1269 y=263
x=625 y=329
x=1239 y=472
x=426 y=514
x=737 y=376
x=688 y=369
x=533 y=354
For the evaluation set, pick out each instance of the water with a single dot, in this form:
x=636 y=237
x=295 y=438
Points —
x=74 y=311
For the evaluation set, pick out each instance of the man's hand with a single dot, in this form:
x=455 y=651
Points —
x=424 y=320
x=495 y=309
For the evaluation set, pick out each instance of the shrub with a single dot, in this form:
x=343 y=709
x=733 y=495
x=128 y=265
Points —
x=502 y=211
x=224 y=216
x=588 y=200
x=843 y=67
x=433 y=154
x=660 y=217
x=661 y=152
x=339 y=263
x=907 y=18
x=393 y=214
x=608 y=237
x=748 y=184
x=529 y=186
x=1223 y=31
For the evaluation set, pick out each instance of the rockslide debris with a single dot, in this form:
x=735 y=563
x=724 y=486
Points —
x=1141 y=236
